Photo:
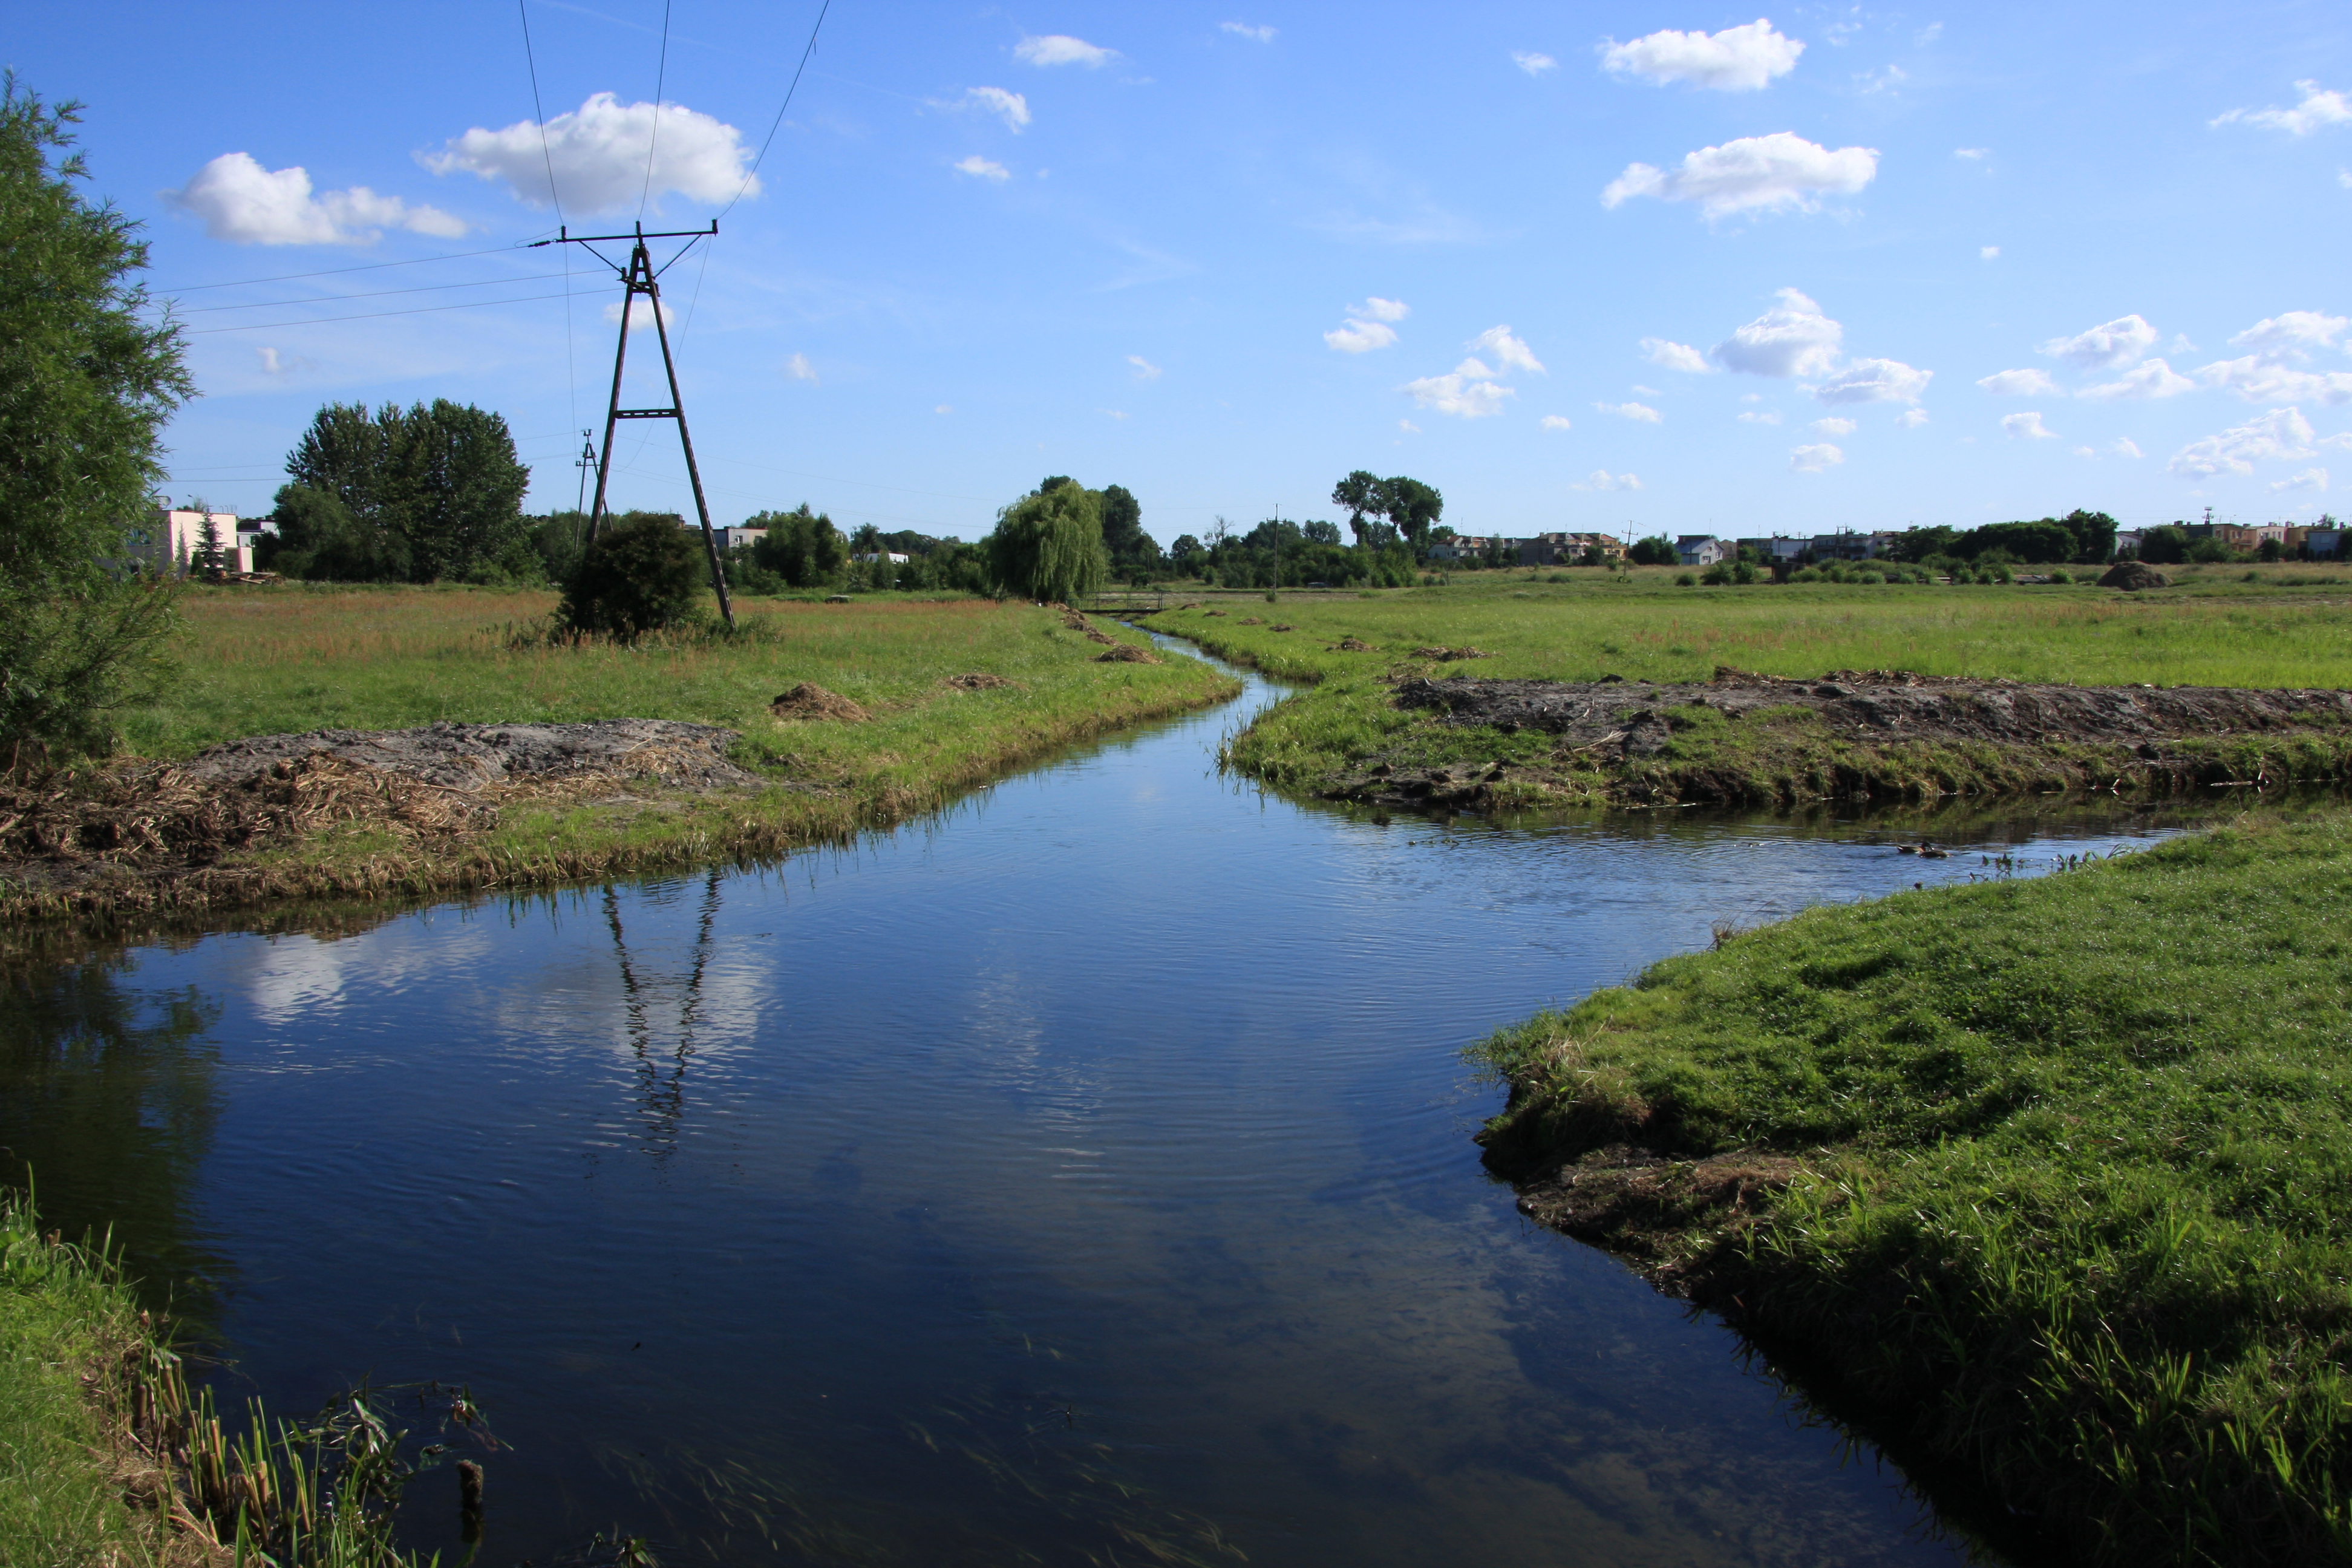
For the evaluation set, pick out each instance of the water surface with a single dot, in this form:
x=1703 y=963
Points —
x=1081 y=1175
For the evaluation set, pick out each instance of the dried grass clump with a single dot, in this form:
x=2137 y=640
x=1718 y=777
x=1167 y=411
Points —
x=978 y=680
x=809 y=700
x=1126 y=653
x=1448 y=655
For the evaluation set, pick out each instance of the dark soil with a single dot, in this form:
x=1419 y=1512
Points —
x=810 y=700
x=1650 y=1208
x=470 y=756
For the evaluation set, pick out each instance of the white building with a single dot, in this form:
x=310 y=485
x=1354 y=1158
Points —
x=171 y=540
x=1700 y=550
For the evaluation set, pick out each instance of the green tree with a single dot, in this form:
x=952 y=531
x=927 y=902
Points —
x=1360 y=495
x=2165 y=546
x=644 y=574
x=1656 y=549
x=1048 y=545
x=1413 y=507
x=1122 y=517
x=86 y=381
x=210 y=557
x=428 y=494
x=800 y=545
x=1321 y=531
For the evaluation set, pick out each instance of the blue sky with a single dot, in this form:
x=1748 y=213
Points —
x=1630 y=267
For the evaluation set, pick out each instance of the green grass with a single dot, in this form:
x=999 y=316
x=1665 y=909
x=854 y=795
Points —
x=2291 y=629
x=2073 y=1216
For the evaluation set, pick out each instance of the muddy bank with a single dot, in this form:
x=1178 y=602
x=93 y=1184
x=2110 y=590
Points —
x=471 y=757
x=1746 y=739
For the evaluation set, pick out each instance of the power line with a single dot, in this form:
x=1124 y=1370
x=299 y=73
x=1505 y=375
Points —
x=371 y=294
x=570 y=364
x=374 y=315
x=779 y=122
x=333 y=271
x=661 y=76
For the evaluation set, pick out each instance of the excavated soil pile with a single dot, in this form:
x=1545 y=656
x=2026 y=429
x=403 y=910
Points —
x=810 y=700
x=1078 y=622
x=470 y=756
x=978 y=680
x=2131 y=576
x=1125 y=653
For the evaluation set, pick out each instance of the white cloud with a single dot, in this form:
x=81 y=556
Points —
x=2086 y=452
x=944 y=408
x=1647 y=391
x=2020 y=384
x=641 y=315
x=1465 y=392
x=1674 y=356
x=1112 y=412
x=1603 y=480
x=1061 y=49
x=2260 y=378
x=1512 y=352
x=1912 y=418
x=2291 y=332
x=1834 y=426
x=275 y=362
x=2152 y=379
x=1009 y=107
x=1408 y=426
x=2281 y=434
x=2309 y=479
x=1375 y=309
x=1556 y=422
x=2126 y=446
x=2344 y=178
x=599 y=152
x=1818 y=458
x=244 y=204
x=980 y=168
x=1988 y=253
x=2107 y=346
x=1244 y=30
x=2026 y=427
x=1737 y=59
x=798 y=368
x=1360 y=337
x=1144 y=368
x=1531 y=62
x=1973 y=154
x=1793 y=338
x=1750 y=416
x=1875 y=381
x=1929 y=33
x=2318 y=110
x=1767 y=174
x=1885 y=81
x=1640 y=413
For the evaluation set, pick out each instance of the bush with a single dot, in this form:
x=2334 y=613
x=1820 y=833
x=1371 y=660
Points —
x=1806 y=574
x=1716 y=576
x=1684 y=580
x=641 y=577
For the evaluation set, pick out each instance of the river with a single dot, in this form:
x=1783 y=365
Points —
x=1081 y=1174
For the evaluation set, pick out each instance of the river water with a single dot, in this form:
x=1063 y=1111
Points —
x=1082 y=1176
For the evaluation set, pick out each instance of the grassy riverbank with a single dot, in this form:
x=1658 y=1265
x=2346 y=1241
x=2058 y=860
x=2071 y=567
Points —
x=2292 y=627
x=297 y=658
x=2050 y=1182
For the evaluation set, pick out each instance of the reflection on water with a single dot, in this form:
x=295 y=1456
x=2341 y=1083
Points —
x=1083 y=1177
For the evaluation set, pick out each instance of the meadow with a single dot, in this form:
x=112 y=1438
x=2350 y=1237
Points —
x=2275 y=627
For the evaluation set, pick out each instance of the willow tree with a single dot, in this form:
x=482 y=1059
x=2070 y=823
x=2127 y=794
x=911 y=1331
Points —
x=87 y=380
x=1048 y=544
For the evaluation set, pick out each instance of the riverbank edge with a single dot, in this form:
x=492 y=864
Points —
x=1428 y=766
x=1736 y=1225
x=538 y=846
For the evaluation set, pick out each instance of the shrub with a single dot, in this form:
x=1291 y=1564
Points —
x=1716 y=576
x=641 y=577
x=1684 y=580
x=1806 y=574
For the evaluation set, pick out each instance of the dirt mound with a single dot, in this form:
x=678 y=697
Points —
x=1448 y=655
x=472 y=756
x=1639 y=716
x=978 y=680
x=1638 y=1202
x=1251 y=621
x=1217 y=612
x=1282 y=627
x=1353 y=644
x=1126 y=653
x=810 y=700
x=2131 y=576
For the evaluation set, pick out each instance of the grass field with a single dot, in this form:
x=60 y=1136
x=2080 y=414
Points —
x=296 y=658
x=2064 y=1172
x=2292 y=627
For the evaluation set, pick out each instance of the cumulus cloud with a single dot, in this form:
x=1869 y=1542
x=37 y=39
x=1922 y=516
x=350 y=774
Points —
x=2309 y=479
x=2152 y=379
x=1375 y=309
x=1360 y=337
x=1466 y=392
x=1737 y=59
x=1061 y=49
x=2020 y=384
x=1988 y=253
x=1556 y=422
x=1973 y=154
x=2126 y=446
x=2026 y=427
x=2107 y=346
x=1640 y=413
x=1674 y=356
x=798 y=368
x=1875 y=381
x=1513 y=353
x=1531 y=62
x=1817 y=458
x=1009 y=107
x=599 y=152
x=1834 y=426
x=1912 y=418
x=1768 y=173
x=2281 y=434
x=980 y=168
x=1603 y=480
x=1793 y=338
x=2262 y=378
x=1750 y=416
x=1144 y=368
x=244 y=204
x=1408 y=426
x=944 y=408
x=2318 y=110
x=2292 y=332
x=1260 y=34
x=641 y=316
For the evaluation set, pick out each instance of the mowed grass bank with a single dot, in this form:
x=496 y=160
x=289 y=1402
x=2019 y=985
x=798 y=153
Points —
x=2291 y=628
x=296 y=658
x=2051 y=1182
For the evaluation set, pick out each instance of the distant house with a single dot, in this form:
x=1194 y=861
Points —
x=170 y=540
x=871 y=556
x=1568 y=549
x=1701 y=550
x=737 y=538
x=1852 y=546
x=2326 y=544
x=1777 y=547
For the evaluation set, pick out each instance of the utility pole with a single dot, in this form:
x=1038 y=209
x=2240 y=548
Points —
x=584 y=462
x=640 y=277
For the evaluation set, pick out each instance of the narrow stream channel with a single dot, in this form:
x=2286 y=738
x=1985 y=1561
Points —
x=1083 y=1175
